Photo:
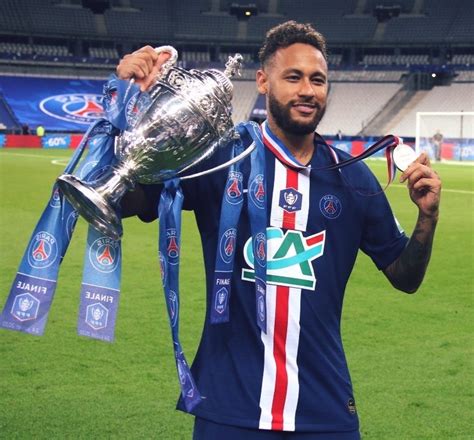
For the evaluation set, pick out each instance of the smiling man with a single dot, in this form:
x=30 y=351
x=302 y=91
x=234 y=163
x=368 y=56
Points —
x=291 y=381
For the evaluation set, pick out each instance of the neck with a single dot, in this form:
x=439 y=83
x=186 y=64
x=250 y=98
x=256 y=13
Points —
x=300 y=146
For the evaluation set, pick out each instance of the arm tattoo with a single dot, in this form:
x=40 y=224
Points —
x=407 y=272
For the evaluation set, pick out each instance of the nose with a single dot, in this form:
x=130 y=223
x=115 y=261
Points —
x=306 y=88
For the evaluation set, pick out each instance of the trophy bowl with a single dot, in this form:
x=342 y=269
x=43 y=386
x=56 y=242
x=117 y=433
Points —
x=188 y=118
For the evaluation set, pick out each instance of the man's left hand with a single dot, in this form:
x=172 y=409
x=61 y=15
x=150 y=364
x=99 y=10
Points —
x=424 y=185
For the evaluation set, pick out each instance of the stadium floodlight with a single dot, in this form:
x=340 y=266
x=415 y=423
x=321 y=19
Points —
x=243 y=12
x=457 y=129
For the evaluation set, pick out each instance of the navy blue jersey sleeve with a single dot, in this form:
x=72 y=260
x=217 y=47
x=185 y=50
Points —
x=382 y=240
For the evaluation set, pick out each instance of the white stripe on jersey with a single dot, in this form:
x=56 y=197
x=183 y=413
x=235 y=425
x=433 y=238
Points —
x=280 y=381
x=300 y=182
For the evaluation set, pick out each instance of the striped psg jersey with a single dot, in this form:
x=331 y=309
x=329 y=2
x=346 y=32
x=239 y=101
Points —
x=294 y=377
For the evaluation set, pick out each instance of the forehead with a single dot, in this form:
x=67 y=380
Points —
x=299 y=56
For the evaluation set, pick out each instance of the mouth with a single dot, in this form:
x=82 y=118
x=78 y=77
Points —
x=305 y=108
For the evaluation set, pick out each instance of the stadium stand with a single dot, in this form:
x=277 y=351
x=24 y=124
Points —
x=375 y=62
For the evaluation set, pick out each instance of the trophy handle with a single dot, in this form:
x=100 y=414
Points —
x=165 y=68
x=244 y=153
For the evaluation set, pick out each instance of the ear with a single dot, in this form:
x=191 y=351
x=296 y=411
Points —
x=262 y=82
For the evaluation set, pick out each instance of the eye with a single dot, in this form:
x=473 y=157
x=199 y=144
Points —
x=292 y=78
x=318 y=80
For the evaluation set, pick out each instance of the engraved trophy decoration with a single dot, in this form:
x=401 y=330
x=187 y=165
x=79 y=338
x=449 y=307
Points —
x=188 y=118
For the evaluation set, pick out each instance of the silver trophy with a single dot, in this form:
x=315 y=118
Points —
x=188 y=119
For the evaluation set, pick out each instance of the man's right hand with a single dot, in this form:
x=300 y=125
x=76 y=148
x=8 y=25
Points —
x=143 y=65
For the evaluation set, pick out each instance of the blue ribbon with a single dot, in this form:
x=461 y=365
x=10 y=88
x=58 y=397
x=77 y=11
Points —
x=33 y=288
x=169 y=212
x=232 y=202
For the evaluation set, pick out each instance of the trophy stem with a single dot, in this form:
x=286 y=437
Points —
x=99 y=202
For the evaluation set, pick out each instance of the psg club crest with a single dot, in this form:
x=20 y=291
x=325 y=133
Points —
x=81 y=108
x=290 y=200
x=173 y=303
x=96 y=316
x=71 y=223
x=330 y=206
x=257 y=191
x=233 y=190
x=55 y=201
x=43 y=250
x=162 y=261
x=25 y=307
x=104 y=254
x=172 y=246
x=227 y=244
x=260 y=244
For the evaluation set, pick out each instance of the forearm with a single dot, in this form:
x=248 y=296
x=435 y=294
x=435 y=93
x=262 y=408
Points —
x=407 y=272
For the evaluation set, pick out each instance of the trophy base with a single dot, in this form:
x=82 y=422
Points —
x=91 y=205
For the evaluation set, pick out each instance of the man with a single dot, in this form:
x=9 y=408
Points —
x=437 y=144
x=292 y=382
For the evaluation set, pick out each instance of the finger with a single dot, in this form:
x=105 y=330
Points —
x=419 y=173
x=426 y=183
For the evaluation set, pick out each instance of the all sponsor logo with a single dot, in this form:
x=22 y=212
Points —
x=25 y=307
x=81 y=108
x=104 y=254
x=55 y=141
x=43 y=250
x=330 y=206
x=290 y=200
x=289 y=258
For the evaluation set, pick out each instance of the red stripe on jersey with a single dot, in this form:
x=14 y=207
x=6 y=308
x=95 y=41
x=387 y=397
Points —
x=279 y=353
x=314 y=239
x=291 y=182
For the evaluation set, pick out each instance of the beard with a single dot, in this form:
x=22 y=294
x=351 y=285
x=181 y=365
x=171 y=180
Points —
x=282 y=115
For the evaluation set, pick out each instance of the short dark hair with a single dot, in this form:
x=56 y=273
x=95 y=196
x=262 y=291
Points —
x=288 y=33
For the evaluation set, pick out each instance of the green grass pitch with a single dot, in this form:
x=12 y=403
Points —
x=411 y=356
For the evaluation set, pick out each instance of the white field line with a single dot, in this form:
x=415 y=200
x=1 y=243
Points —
x=61 y=161
x=443 y=190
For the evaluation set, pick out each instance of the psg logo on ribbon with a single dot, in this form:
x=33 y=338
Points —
x=55 y=201
x=104 y=254
x=162 y=261
x=257 y=191
x=172 y=247
x=330 y=206
x=227 y=244
x=260 y=248
x=173 y=305
x=71 y=223
x=233 y=189
x=81 y=108
x=43 y=250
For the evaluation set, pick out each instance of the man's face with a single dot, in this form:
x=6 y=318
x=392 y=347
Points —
x=295 y=82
